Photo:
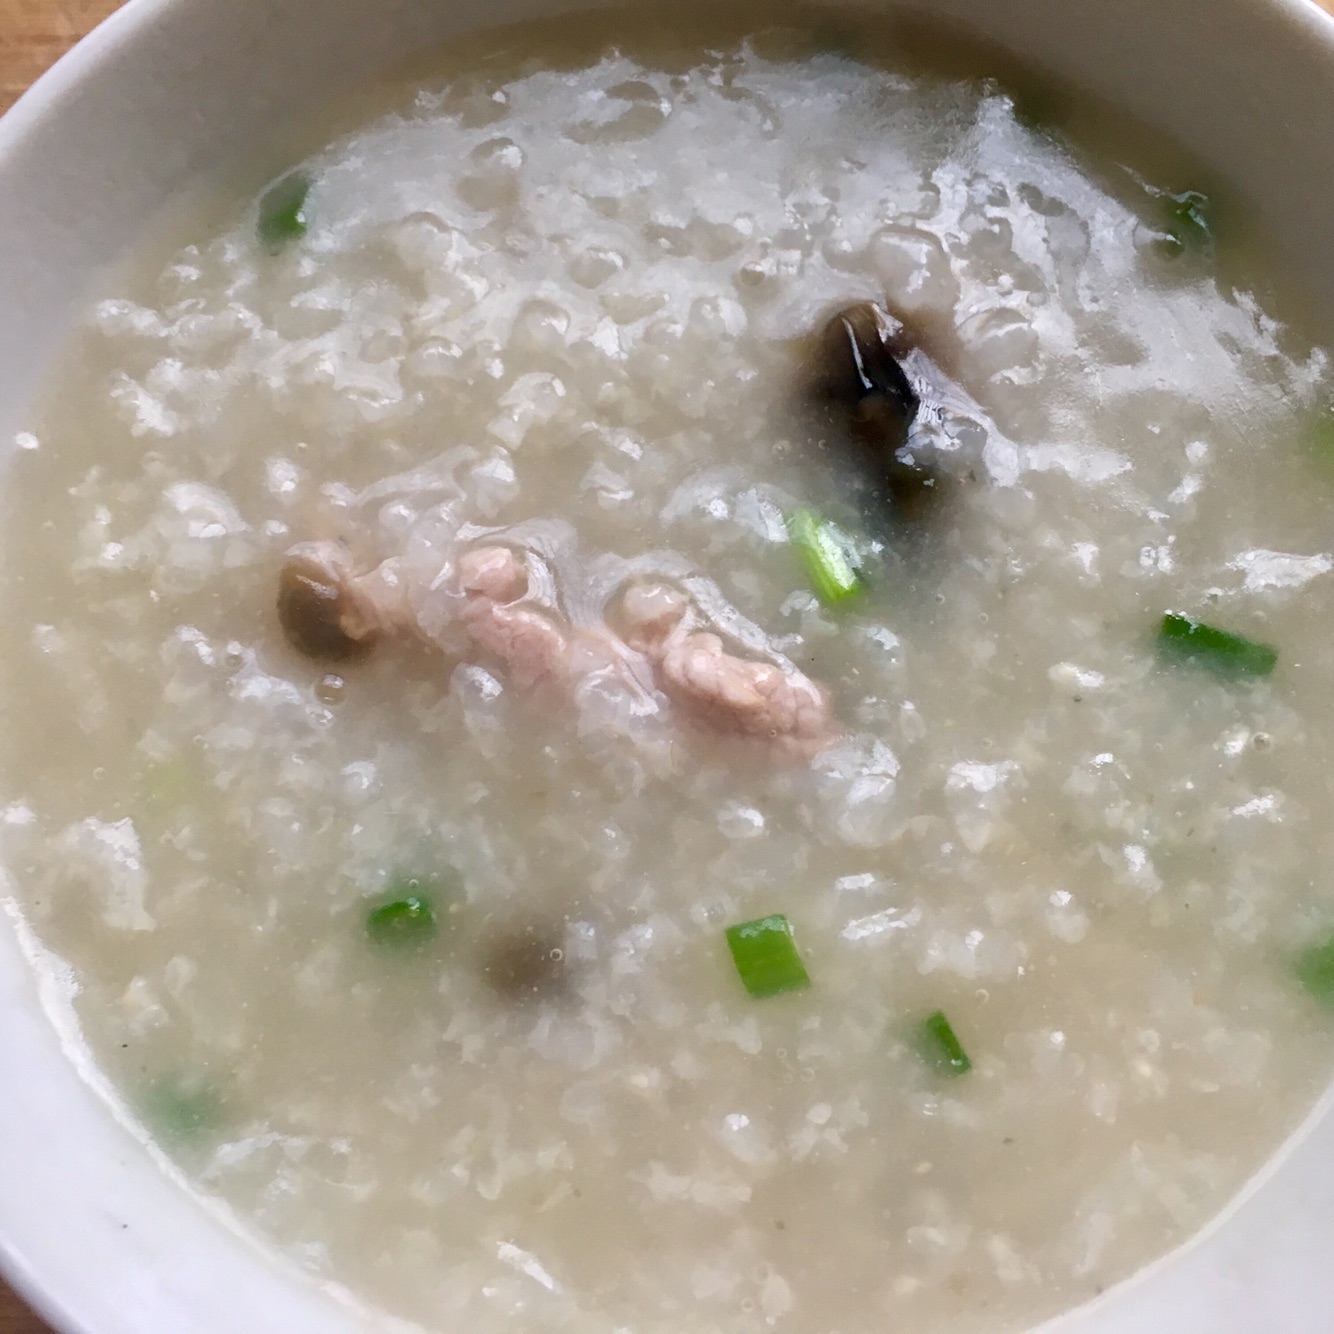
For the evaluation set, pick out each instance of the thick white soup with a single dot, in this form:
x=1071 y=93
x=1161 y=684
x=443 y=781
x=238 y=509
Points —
x=460 y=581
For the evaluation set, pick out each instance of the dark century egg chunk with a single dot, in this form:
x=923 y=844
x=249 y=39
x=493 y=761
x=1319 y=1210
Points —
x=871 y=403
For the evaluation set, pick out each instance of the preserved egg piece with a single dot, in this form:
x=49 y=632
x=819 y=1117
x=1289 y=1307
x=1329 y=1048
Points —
x=912 y=487
x=319 y=617
x=859 y=375
x=859 y=371
x=526 y=964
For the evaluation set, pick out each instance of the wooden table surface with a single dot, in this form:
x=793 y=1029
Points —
x=33 y=34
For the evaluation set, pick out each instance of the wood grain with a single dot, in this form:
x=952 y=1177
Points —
x=15 y=1318
x=33 y=34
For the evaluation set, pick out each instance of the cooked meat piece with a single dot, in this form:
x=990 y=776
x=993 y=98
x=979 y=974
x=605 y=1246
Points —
x=755 y=699
x=649 y=614
x=382 y=598
x=331 y=614
x=493 y=572
x=533 y=649
x=727 y=693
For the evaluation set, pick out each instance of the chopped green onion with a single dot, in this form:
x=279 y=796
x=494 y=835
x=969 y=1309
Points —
x=1189 y=223
x=1315 y=971
x=182 y=1110
x=941 y=1047
x=1220 y=651
x=766 y=956
x=282 y=211
x=827 y=554
x=402 y=921
x=169 y=783
x=1319 y=434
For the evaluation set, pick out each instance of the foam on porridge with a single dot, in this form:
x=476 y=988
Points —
x=561 y=305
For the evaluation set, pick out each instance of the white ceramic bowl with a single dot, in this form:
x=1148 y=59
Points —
x=92 y=1229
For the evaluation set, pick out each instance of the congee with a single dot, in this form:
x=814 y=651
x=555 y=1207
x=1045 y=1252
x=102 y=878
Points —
x=681 y=684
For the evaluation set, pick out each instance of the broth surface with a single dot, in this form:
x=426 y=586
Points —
x=563 y=303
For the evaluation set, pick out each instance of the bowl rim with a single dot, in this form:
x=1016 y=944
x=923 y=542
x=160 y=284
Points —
x=328 y=1310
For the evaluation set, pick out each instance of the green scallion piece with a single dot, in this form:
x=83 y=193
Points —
x=766 y=956
x=282 y=211
x=1315 y=971
x=182 y=1110
x=1186 y=639
x=828 y=556
x=941 y=1047
x=169 y=783
x=406 y=921
x=1318 y=434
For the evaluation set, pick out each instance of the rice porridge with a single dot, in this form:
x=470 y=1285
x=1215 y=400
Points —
x=681 y=686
